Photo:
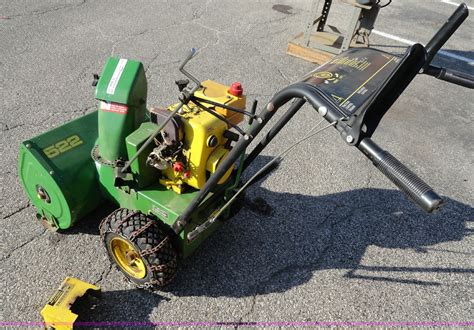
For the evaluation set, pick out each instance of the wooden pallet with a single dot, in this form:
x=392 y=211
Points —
x=297 y=49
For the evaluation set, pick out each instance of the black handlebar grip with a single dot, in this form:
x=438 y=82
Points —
x=408 y=182
x=458 y=78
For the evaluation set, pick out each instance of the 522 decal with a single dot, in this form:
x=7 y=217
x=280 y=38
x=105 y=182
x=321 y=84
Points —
x=62 y=146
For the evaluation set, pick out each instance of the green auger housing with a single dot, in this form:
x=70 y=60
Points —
x=58 y=173
x=57 y=168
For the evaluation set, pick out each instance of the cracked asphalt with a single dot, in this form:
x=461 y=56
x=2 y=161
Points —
x=341 y=243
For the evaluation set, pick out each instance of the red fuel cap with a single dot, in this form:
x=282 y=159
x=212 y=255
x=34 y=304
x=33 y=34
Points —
x=236 y=89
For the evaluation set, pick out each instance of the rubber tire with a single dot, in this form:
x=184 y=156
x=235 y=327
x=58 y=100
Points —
x=167 y=257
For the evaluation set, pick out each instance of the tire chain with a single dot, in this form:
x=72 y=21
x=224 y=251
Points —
x=140 y=230
x=158 y=268
x=152 y=284
x=156 y=248
x=128 y=217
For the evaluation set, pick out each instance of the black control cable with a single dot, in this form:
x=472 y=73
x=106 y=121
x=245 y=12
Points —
x=225 y=106
x=218 y=116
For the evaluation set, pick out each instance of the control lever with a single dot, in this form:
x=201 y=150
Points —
x=182 y=84
x=408 y=182
x=190 y=55
x=452 y=76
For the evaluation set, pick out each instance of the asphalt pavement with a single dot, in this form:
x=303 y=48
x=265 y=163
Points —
x=341 y=243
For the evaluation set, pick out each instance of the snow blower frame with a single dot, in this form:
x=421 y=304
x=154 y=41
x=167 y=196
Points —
x=176 y=172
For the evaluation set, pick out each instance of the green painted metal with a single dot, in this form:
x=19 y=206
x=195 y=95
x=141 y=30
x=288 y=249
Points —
x=122 y=92
x=143 y=174
x=59 y=161
x=163 y=203
x=167 y=206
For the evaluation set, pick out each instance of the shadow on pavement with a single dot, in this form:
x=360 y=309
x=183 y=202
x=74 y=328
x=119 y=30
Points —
x=363 y=218
x=236 y=262
x=119 y=309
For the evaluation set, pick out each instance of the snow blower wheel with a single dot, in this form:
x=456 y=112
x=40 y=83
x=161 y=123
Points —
x=140 y=247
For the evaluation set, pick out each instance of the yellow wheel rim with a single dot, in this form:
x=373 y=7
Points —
x=127 y=257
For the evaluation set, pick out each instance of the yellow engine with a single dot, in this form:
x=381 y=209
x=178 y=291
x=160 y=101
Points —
x=193 y=144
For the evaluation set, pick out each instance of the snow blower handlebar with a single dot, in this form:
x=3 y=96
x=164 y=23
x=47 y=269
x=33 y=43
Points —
x=435 y=44
x=451 y=76
x=419 y=191
x=355 y=122
x=445 y=32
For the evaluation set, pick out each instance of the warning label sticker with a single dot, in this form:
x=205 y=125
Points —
x=114 y=107
x=116 y=76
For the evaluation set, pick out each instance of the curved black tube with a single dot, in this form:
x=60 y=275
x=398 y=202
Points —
x=311 y=94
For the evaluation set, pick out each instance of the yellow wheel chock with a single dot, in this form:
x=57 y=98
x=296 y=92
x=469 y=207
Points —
x=59 y=311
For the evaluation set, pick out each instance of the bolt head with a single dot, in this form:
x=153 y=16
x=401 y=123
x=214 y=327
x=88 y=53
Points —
x=323 y=111
x=349 y=139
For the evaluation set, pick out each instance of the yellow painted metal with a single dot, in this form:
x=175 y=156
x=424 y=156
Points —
x=215 y=159
x=176 y=184
x=57 y=313
x=217 y=92
x=127 y=257
x=199 y=127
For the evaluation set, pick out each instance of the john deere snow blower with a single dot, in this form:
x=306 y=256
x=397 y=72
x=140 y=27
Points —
x=175 y=172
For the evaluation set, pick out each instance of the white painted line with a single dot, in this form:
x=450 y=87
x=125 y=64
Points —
x=393 y=37
x=468 y=60
x=449 y=2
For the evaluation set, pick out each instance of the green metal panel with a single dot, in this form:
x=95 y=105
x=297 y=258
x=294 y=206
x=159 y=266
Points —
x=59 y=161
x=168 y=205
x=122 y=92
x=164 y=203
x=106 y=177
x=130 y=84
x=200 y=215
x=143 y=174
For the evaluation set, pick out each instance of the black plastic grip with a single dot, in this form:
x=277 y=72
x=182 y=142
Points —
x=456 y=77
x=452 y=76
x=408 y=182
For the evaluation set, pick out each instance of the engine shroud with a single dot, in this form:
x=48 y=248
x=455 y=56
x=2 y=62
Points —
x=194 y=140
